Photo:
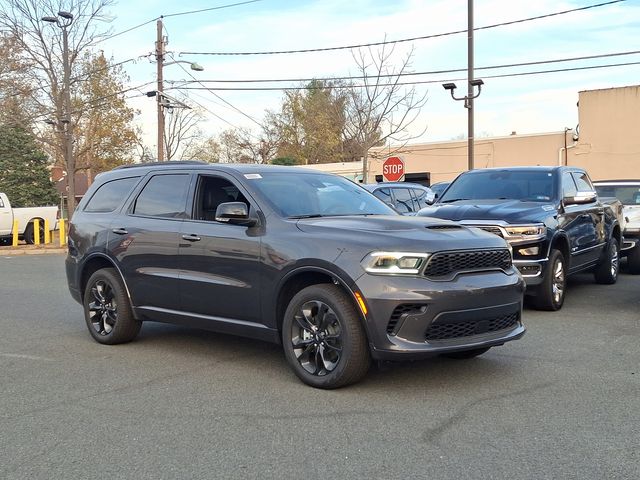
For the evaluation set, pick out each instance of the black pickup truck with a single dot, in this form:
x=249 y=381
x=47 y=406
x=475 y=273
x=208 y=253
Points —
x=551 y=217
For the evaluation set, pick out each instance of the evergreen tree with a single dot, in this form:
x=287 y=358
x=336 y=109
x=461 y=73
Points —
x=24 y=176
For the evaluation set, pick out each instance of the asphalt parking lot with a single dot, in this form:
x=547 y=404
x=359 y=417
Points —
x=564 y=402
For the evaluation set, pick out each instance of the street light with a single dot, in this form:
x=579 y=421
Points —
x=64 y=21
x=193 y=65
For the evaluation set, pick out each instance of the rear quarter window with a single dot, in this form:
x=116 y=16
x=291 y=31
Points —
x=110 y=195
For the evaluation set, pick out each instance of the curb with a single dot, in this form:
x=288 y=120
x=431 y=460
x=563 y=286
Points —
x=35 y=251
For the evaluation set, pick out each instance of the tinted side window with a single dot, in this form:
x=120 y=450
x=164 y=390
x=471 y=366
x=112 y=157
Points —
x=568 y=185
x=110 y=195
x=384 y=194
x=583 y=182
x=163 y=196
x=404 y=202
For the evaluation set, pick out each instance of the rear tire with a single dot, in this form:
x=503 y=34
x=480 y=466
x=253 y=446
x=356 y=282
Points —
x=323 y=338
x=606 y=272
x=29 y=234
x=551 y=292
x=633 y=260
x=107 y=310
x=466 y=354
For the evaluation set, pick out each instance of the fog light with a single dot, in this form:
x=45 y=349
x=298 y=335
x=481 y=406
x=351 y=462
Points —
x=529 y=251
x=529 y=270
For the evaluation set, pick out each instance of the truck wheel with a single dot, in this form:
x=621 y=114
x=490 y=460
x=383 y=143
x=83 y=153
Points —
x=465 y=354
x=553 y=287
x=107 y=310
x=633 y=260
x=29 y=235
x=607 y=270
x=323 y=338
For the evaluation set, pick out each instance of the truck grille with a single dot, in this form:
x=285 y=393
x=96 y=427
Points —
x=446 y=264
x=449 y=330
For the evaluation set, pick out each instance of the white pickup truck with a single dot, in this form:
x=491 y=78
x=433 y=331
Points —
x=25 y=218
x=628 y=192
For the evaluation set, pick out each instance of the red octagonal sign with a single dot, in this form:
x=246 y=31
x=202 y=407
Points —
x=393 y=169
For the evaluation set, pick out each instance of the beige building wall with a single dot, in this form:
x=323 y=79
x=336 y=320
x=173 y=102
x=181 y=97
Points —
x=609 y=143
x=608 y=146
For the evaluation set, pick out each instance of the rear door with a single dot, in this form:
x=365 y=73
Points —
x=220 y=265
x=145 y=240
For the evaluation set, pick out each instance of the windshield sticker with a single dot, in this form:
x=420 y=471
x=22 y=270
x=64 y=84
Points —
x=548 y=208
x=252 y=176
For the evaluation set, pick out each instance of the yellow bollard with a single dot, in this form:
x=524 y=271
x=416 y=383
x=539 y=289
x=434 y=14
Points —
x=63 y=234
x=47 y=232
x=14 y=243
x=36 y=231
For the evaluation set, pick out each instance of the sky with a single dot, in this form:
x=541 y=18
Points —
x=524 y=104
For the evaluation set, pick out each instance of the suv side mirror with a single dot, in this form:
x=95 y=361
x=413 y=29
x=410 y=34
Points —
x=236 y=213
x=581 y=198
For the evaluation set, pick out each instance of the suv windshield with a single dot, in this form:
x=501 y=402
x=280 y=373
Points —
x=316 y=195
x=524 y=185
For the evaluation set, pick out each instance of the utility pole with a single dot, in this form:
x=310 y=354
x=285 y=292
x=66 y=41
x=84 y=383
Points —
x=160 y=88
x=64 y=21
x=470 y=91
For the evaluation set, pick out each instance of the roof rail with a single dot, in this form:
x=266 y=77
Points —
x=155 y=164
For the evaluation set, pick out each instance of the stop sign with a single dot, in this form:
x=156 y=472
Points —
x=393 y=169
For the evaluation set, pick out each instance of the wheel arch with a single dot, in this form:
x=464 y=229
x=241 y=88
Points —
x=561 y=242
x=303 y=277
x=96 y=262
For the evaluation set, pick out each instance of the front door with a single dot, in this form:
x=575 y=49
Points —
x=219 y=263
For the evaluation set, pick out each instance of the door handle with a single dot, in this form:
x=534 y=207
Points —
x=585 y=215
x=191 y=238
x=120 y=231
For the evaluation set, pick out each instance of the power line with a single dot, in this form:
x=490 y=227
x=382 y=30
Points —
x=210 y=8
x=387 y=42
x=408 y=83
x=432 y=72
x=135 y=27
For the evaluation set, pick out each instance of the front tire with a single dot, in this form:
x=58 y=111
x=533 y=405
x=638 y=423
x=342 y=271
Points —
x=552 y=290
x=29 y=234
x=107 y=310
x=606 y=272
x=323 y=338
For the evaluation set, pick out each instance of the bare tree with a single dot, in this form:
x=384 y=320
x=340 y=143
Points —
x=42 y=44
x=181 y=130
x=381 y=109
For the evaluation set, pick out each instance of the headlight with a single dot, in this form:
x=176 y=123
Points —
x=526 y=233
x=394 y=262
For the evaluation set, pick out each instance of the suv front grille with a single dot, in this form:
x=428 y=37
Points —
x=449 y=330
x=446 y=264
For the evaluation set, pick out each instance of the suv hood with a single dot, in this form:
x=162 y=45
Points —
x=510 y=211
x=400 y=232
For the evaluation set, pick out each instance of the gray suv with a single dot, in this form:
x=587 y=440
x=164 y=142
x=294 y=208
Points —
x=305 y=259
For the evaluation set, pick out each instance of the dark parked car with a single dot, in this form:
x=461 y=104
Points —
x=406 y=198
x=302 y=258
x=552 y=218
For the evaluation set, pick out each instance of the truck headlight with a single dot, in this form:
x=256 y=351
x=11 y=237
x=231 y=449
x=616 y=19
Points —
x=525 y=233
x=394 y=262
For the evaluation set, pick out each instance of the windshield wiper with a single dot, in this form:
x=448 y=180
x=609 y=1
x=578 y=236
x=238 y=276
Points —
x=454 y=200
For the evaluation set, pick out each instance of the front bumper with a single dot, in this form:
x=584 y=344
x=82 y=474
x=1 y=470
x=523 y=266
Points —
x=474 y=310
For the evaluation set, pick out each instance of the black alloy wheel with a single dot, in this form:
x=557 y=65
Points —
x=323 y=337
x=316 y=338
x=107 y=309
